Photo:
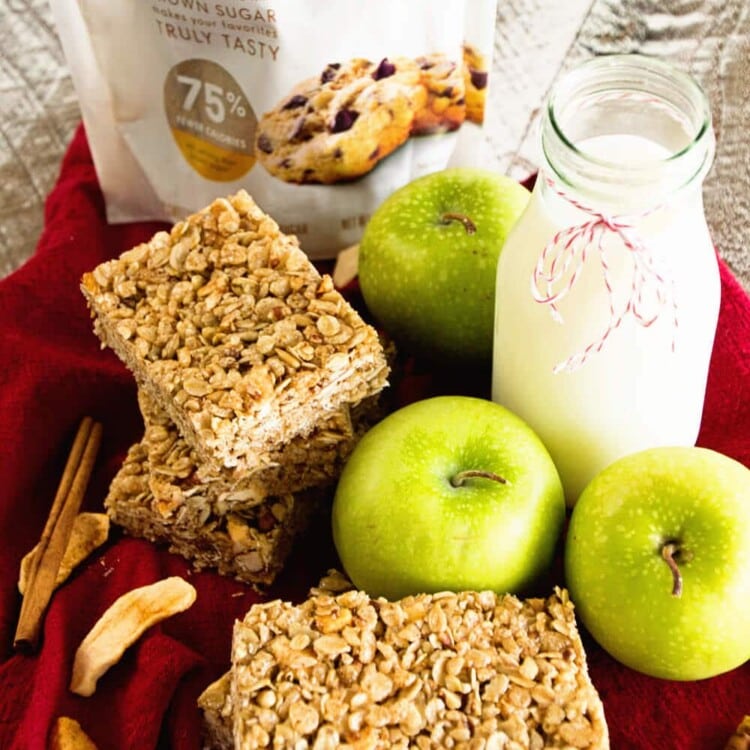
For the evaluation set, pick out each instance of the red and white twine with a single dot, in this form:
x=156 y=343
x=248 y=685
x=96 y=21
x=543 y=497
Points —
x=561 y=261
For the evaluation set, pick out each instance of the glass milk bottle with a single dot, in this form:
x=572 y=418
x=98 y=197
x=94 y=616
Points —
x=608 y=286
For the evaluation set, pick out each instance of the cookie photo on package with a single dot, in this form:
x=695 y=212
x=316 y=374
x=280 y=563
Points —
x=319 y=114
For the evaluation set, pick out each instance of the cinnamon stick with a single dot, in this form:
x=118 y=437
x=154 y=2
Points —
x=56 y=535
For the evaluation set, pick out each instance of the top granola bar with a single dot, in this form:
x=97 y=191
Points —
x=229 y=327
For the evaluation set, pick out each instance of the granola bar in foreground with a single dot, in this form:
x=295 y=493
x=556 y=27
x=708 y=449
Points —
x=440 y=670
x=229 y=327
x=249 y=541
x=740 y=740
x=216 y=704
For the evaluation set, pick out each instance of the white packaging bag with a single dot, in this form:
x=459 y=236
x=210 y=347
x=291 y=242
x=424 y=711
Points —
x=319 y=110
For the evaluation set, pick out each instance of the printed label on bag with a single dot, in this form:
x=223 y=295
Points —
x=211 y=120
x=320 y=115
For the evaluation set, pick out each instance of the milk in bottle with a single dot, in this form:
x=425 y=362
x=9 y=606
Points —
x=607 y=288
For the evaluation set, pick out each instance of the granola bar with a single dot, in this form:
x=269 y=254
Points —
x=249 y=541
x=216 y=704
x=215 y=701
x=304 y=462
x=433 y=670
x=229 y=327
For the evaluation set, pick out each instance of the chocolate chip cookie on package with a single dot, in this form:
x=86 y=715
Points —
x=339 y=125
x=475 y=77
x=445 y=107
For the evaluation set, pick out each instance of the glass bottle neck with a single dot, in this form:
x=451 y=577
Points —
x=625 y=133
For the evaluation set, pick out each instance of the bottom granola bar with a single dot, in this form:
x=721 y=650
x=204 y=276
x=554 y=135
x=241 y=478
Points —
x=433 y=670
x=249 y=541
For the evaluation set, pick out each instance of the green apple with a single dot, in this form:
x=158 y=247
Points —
x=657 y=561
x=428 y=257
x=448 y=493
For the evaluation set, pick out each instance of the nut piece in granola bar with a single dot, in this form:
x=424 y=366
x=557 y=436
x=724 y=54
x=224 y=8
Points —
x=90 y=530
x=229 y=327
x=247 y=539
x=433 y=670
x=332 y=583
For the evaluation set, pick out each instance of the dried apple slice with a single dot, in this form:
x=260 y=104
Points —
x=67 y=734
x=121 y=626
x=90 y=530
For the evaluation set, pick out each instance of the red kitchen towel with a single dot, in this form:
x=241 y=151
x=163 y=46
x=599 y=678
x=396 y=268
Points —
x=54 y=373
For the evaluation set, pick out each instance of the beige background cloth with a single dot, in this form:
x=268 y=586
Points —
x=535 y=40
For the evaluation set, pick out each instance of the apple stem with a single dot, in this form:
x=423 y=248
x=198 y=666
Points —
x=469 y=225
x=458 y=479
x=668 y=552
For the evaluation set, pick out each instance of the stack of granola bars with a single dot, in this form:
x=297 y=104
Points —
x=256 y=377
